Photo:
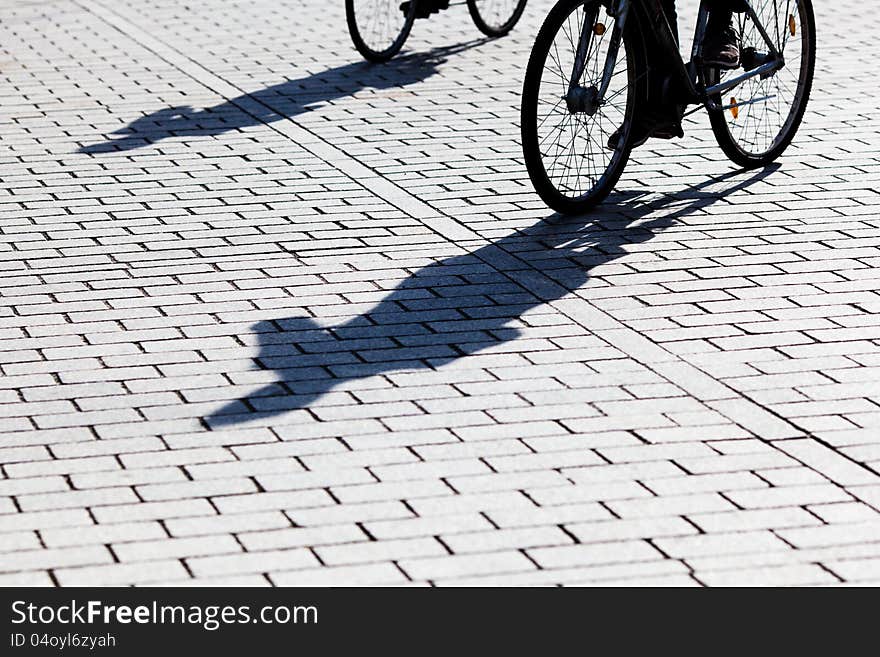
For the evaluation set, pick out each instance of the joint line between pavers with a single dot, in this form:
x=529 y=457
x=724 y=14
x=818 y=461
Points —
x=441 y=223
x=577 y=309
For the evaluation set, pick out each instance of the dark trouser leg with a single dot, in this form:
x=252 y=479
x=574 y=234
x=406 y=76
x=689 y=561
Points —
x=658 y=120
x=721 y=13
x=721 y=46
x=671 y=16
x=719 y=19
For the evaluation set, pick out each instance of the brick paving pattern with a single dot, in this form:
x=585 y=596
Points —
x=272 y=316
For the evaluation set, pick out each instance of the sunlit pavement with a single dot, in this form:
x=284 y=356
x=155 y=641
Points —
x=271 y=315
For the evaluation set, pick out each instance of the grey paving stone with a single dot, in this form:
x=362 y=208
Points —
x=260 y=299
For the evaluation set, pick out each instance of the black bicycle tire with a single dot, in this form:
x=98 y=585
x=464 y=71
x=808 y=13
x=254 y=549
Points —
x=753 y=161
x=487 y=29
x=528 y=115
x=368 y=53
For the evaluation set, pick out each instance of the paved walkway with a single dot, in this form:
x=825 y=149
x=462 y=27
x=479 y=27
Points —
x=273 y=316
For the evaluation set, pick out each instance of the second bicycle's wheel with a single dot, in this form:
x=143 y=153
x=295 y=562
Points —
x=496 y=18
x=379 y=28
x=575 y=147
x=758 y=119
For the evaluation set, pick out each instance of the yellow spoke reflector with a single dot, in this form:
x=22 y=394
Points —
x=599 y=29
x=734 y=108
x=792 y=25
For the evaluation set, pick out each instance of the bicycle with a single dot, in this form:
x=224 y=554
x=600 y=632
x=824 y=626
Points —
x=379 y=28
x=598 y=66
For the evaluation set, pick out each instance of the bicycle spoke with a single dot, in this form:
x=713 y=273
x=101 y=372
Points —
x=567 y=135
x=573 y=147
x=380 y=23
x=759 y=125
x=496 y=14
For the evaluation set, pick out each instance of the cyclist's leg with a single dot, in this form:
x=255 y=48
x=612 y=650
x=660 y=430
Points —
x=721 y=44
x=671 y=16
x=661 y=120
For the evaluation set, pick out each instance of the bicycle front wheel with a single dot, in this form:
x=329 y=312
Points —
x=757 y=120
x=576 y=146
x=496 y=18
x=379 y=28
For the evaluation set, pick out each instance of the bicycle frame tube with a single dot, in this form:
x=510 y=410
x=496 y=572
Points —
x=586 y=37
x=761 y=30
x=658 y=25
x=699 y=37
x=588 y=100
x=776 y=62
x=763 y=69
x=685 y=74
x=621 y=11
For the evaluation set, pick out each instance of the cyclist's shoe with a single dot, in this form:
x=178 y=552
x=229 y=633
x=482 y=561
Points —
x=643 y=130
x=722 y=49
x=424 y=8
x=641 y=134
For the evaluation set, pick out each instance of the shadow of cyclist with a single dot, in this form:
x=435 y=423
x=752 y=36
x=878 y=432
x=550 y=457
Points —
x=280 y=101
x=458 y=306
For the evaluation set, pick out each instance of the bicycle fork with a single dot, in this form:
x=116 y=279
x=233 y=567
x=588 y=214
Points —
x=587 y=100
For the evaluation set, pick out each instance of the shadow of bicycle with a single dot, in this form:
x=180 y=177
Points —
x=460 y=305
x=280 y=101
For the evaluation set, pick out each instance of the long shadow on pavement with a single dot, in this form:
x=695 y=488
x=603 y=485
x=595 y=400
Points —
x=280 y=101
x=458 y=306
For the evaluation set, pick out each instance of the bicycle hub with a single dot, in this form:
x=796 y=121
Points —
x=582 y=100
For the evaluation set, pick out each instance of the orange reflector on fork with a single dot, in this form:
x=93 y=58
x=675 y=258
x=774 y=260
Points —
x=734 y=108
x=792 y=25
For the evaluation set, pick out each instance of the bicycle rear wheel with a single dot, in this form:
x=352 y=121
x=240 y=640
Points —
x=758 y=119
x=379 y=28
x=496 y=18
x=565 y=134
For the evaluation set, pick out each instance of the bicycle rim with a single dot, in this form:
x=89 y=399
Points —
x=762 y=115
x=378 y=28
x=567 y=154
x=496 y=17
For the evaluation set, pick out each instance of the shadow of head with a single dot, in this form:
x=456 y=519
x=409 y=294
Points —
x=457 y=306
x=280 y=101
